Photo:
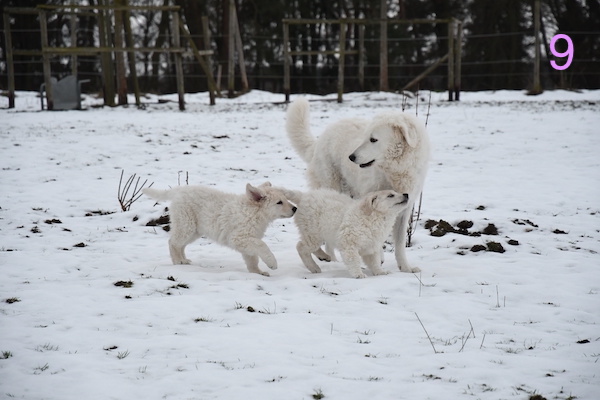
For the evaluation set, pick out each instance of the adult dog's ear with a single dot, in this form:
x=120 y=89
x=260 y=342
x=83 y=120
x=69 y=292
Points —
x=368 y=204
x=254 y=193
x=408 y=132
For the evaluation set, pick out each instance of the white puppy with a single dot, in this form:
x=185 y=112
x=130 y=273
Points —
x=357 y=156
x=236 y=221
x=358 y=228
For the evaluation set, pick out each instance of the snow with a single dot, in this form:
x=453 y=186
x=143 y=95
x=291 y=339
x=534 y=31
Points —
x=479 y=325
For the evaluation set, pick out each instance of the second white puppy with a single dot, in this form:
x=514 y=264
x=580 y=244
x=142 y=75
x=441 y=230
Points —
x=358 y=228
x=235 y=221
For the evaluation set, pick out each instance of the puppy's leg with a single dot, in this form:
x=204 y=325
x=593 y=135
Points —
x=183 y=232
x=305 y=251
x=373 y=261
x=329 y=249
x=255 y=247
x=177 y=243
x=252 y=264
x=352 y=260
x=400 y=241
x=321 y=255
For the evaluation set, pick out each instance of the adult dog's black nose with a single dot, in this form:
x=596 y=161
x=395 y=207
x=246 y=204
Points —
x=405 y=196
x=294 y=209
x=352 y=157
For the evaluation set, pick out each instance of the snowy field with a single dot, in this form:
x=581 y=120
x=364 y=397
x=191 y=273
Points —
x=92 y=308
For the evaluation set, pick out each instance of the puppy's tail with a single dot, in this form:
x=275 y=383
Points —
x=157 y=194
x=298 y=130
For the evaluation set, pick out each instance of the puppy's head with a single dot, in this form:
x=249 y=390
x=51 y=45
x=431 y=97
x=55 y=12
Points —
x=388 y=136
x=272 y=201
x=384 y=201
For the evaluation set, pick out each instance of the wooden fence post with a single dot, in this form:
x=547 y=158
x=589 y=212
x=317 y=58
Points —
x=457 y=60
x=120 y=55
x=537 y=86
x=108 y=77
x=73 y=27
x=342 y=56
x=212 y=86
x=131 y=56
x=361 y=56
x=178 y=62
x=286 y=61
x=383 y=49
x=46 y=59
x=450 y=60
x=231 y=54
x=10 y=66
x=240 y=52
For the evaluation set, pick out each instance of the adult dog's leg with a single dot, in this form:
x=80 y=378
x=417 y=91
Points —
x=400 y=229
x=305 y=252
x=252 y=264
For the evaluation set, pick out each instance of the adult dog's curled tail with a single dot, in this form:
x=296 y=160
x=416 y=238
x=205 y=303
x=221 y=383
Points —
x=157 y=194
x=298 y=130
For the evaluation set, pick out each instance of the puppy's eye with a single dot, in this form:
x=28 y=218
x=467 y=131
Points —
x=373 y=140
x=280 y=202
x=390 y=195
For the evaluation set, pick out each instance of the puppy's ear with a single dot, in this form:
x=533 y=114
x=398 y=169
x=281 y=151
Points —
x=368 y=204
x=254 y=193
x=266 y=184
x=408 y=132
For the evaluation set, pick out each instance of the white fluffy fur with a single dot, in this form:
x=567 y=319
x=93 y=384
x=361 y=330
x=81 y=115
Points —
x=235 y=221
x=358 y=228
x=358 y=156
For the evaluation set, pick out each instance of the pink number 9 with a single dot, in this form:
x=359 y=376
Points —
x=569 y=52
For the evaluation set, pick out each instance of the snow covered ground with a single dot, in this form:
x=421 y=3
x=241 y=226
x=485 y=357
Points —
x=481 y=325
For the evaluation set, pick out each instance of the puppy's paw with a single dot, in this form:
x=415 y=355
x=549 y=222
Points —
x=360 y=275
x=381 y=272
x=324 y=257
x=315 y=270
x=263 y=273
x=270 y=261
x=272 y=265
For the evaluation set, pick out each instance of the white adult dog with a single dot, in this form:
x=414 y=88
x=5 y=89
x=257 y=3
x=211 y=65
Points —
x=235 y=221
x=357 y=156
x=357 y=227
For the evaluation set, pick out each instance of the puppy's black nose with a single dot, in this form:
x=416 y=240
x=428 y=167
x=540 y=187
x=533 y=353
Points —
x=352 y=157
x=294 y=209
x=405 y=196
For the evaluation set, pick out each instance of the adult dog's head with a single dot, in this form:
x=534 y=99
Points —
x=388 y=137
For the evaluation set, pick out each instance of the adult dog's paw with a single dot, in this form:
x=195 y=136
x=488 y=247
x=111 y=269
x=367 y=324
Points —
x=410 y=269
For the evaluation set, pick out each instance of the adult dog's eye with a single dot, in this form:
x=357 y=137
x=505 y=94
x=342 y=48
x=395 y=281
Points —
x=373 y=140
x=390 y=195
x=280 y=202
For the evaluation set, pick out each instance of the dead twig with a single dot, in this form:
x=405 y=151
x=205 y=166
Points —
x=125 y=199
x=465 y=339
x=428 y=108
x=427 y=333
x=413 y=221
